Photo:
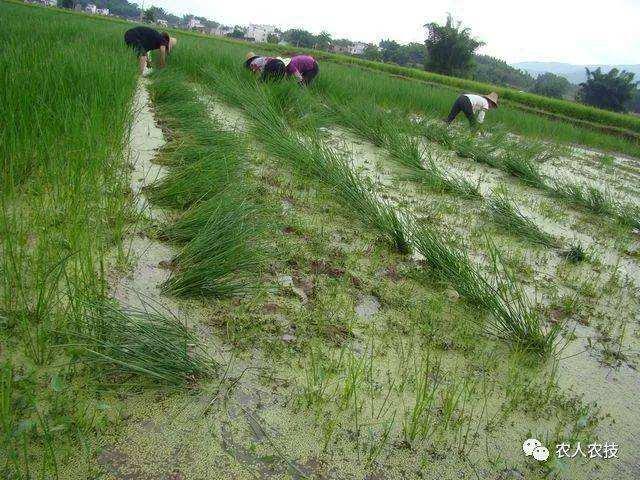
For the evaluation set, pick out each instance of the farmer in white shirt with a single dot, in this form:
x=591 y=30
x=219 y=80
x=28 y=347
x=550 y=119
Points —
x=473 y=106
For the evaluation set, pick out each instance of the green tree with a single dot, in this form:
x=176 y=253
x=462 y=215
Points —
x=322 y=41
x=272 y=38
x=372 y=52
x=634 y=104
x=120 y=7
x=416 y=54
x=150 y=15
x=238 y=32
x=612 y=91
x=299 y=38
x=551 y=85
x=67 y=4
x=450 y=48
x=392 y=51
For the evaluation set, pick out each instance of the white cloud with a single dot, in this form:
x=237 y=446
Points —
x=575 y=31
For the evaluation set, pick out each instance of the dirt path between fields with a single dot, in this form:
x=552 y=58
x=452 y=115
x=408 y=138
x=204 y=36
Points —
x=140 y=287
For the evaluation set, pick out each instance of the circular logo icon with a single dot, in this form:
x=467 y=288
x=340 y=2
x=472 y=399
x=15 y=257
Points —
x=540 y=453
x=530 y=445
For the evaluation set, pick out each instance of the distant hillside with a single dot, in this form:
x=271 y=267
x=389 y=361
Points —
x=493 y=70
x=574 y=73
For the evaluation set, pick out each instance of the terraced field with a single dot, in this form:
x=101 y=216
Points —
x=208 y=277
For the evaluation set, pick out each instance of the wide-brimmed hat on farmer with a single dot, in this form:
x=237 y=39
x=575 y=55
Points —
x=249 y=55
x=493 y=98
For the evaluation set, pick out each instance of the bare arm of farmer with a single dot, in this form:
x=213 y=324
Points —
x=162 y=61
x=294 y=66
x=482 y=103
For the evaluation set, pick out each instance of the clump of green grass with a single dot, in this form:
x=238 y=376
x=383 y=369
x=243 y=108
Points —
x=438 y=132
x=312 y=158
x=206 y=176
x=575 y=253
x=629 y=215
x=406 y=150
x=221 y=229
x=388 y=130
x=519 y=165
x=506 y=214
x=435 y=178
x=512 y=317
x=222 y=256
x=153 y=346
x=586 y=196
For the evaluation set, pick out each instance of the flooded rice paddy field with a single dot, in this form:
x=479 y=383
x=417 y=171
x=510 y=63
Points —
x=350 y=362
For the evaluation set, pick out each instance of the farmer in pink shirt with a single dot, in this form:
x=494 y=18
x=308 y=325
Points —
x=303 y=67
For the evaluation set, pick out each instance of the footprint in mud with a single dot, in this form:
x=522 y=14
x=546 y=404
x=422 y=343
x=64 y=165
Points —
x=367 y=306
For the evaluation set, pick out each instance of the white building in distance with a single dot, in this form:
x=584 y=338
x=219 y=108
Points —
x=357 y=48
x=91 y=8
x=194 y=24
x=162 y=22
x=221 y=30
x=102 y=11
x=260 y=33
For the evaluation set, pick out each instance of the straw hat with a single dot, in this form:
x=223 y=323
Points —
x=286 y=61
x=493 y=98
x=249 y=55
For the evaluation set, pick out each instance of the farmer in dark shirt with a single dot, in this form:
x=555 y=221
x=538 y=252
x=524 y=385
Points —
x=145 y=39
x=269 y=68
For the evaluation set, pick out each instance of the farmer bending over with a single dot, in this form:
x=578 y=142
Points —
x=268 y=67
x=303 y=67
x=473 y=106
x=145 y=39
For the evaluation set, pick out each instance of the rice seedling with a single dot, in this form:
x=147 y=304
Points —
x=575 y=253
x=200 y=179
x=364 y=404
x=487 y=151
x=352 y=192
x=512 y=317
x=519 y=165
x=586 y=196
x=63 y=206
x=365 y=120
x=436 y=179
x=193 y=220
x=385 y=129
x=406 y=150
x=505 y=213
x=222 y=227
x=628 y=215
x=417 y=424
x=311 y=158
x=223 y=257
x=152 y=346
x=438 y=132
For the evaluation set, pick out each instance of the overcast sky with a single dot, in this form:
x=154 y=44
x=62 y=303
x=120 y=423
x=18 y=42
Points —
x=572 y=31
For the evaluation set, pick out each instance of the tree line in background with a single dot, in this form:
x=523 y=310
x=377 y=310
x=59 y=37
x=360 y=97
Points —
x=449 y=49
